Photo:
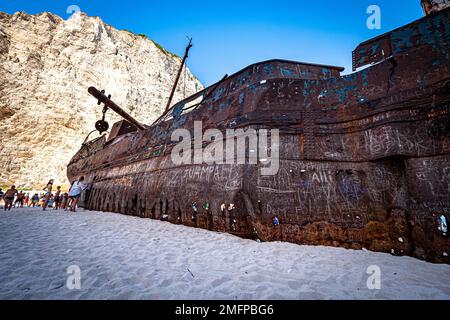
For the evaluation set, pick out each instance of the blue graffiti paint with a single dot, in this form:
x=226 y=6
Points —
x=323 y=93
x=241 y=98
x=253 y=88
x=242 y=78
x=326 y=73
x=218 y=93
x=332 y=108
x=437 y=62
x=179 y=122
x=402 y=39
x=343 y=92
x=305 y=74
x=351 y=188
x=435 y=33
x=315 y=86
x=306 y=88
x=365 y=77
x=363 y=56
x=374 y=49
x=222 y=106
x=268 y=69
x=178 y=110
x=288 y=73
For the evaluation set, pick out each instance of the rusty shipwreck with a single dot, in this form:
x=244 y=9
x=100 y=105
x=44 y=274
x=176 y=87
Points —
x=364 y=158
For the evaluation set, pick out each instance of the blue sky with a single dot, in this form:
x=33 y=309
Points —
x=229 y=35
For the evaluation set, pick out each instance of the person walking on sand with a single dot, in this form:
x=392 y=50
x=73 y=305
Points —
x=75 y=193
x=9 y=197
x=48 y=189
x=57 y=198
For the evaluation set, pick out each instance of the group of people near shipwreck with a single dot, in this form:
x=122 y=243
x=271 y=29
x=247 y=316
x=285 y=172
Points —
x=51 y=198
x=68 y=201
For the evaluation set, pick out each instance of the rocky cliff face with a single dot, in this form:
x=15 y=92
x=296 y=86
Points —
x=46 y=67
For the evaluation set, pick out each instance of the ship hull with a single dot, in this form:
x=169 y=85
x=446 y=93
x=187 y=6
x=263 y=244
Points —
x=364 y=158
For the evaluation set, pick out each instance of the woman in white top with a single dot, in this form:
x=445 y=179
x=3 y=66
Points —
x=75 y=193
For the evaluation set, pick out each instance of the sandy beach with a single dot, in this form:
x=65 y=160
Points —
x=123 y=257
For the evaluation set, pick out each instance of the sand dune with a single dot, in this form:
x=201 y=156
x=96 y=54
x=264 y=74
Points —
x=124 y=257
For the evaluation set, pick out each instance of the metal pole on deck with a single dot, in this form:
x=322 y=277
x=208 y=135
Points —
x=186 y=53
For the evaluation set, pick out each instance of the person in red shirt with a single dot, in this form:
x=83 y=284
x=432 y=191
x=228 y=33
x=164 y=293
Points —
x=27 y=200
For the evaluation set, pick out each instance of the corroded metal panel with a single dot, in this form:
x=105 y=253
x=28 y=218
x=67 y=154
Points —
x=431 y=6
x=432 y=33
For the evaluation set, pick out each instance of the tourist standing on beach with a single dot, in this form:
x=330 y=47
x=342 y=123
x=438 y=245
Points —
x=48 y=189
x=75 y=193
x=69 y=198
x=35 y=200
x=42 y=199
x=64 y=200
x=1 y=196
x=57 y=198
x=51 y=202
x=9 y=197
x=19 y=200
x=27 y=200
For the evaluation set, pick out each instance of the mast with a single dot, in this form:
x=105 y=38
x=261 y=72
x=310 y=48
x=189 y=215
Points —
x=186 y=53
